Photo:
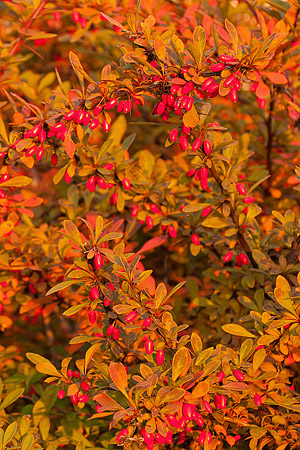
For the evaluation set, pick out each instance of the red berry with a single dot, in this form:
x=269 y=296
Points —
x=206 y=211
x=61 y=394
x=147 y=322
x=238 y=375
x=94 y=293
x=131 y=316
x=92 y=317
x=84 y=386
x=227 y=257
x=126 y=184
x=207 y=406
x=217 y=67
x=76 y=374
x=195 y=239
x=196 y=144
x=257 y=399
x=172 y=231
x=70 y=373
x=241 y=188
x=160 y=357
x=121 y=435
x=207 y=147
x=83 y=398
x=116 y=334
x=188 y=411
x=149 y=347
x=98 y=261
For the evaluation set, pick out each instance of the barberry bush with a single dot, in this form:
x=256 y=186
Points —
x=149 y=224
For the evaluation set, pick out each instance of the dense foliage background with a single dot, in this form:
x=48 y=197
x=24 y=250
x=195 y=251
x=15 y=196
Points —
x=149 y=224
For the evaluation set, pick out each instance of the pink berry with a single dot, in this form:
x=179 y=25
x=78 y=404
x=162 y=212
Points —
x=94 y=293
x=257 y=399
x=227 y=257
x=195 y=239
x=206 y=211
x=131 y=316
x=149 y=347
x=160 y=357
x=238 y=375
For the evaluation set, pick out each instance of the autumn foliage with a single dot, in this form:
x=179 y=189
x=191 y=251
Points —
x=149 y=224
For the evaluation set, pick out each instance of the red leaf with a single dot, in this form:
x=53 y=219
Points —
x=152 y=243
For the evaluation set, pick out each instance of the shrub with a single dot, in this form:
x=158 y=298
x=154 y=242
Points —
x=149 y=225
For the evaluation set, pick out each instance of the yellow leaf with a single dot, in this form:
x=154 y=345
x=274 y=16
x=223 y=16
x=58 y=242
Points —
x=160 y=48
x=179 y=362
x=48 y=369
x=201 y=389
x=191 y=118
x=237 y=330
x=259 y=358
x=6 y=227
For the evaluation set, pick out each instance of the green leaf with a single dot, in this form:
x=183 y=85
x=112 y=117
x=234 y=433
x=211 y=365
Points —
x=16 y=182
x=44 y=427
x=128 y=141
x=74 y=309
x=237 y=330
x=11 y=398
x=61 y=286
x=27 y=442
x=9 y=433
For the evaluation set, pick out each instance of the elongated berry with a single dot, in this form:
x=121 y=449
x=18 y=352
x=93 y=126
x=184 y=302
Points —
x=241 y=188
x=126 y=184
x=116 y=334
x=207 y=406
x=105 y=126
x=217 y=67
x=172 y=231
x=249 y=199
x=207 y=83
x=149 y=346
x=131 y=316
x=206 y=211
x=160 y=357
x=84 y=386
x=110 y=330
x=111 y=103
x=187 y=88
x=146 y=323
x=94 y=124
x=227 y=257
x=207 y=147
x=172 y=420
x=196 y=144
x=94 y=293
x=183 y=142
x=199 y=419
x=101 y=183
x=98 y=261
x=244 y=259
x=91 y=184
x=257 y=399
x=83 y=398
x=149 y=222
x=191 y=173
x=233 y=95
x=195 y=239
x=154 y=208
x=188 y=411
x=229 y=80
x=173 y=135
x=238 y=375
x=134 y=211
x=227 y=58
x=92 y=317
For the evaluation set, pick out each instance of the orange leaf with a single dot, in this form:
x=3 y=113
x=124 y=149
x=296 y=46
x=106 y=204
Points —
x=69 y=146
x=276 y=78
x=262 y=90
x=119 y=376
